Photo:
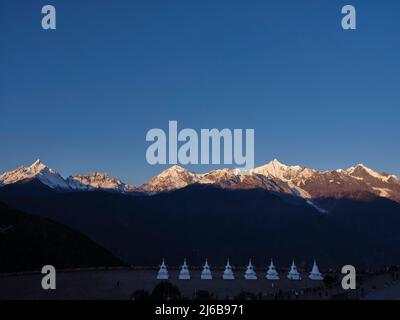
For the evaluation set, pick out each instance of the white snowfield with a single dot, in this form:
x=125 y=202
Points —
x=274 y=176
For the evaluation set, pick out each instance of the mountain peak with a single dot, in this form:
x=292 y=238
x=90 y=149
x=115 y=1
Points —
x=277 y=163
x=98 y=181
x=37 y=170
x=172 y=178
x=37 y=166
x=362 y=167
x=277 y=169
x=176 y=168
x=37 y=162
x=174 y=171
x=364 y=173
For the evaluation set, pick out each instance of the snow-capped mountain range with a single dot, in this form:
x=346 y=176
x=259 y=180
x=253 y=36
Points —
x=274 y=176
x=37 y=170
x=50 y=177
x=294 y=180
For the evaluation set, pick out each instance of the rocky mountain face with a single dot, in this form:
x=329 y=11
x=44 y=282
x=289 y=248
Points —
x=98 y=181
x=310 y=184
x=338 y=183
x=292 y=180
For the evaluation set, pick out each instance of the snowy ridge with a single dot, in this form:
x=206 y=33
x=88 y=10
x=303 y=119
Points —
x=98 y=181
x=355 y=171
x=302 y=182
x=37 y=170
x=51 y=178
x=177 y=177
x=281 y=171
x=309 y=184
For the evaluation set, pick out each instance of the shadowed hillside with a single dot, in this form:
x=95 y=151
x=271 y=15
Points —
x=201 y=222
x=27 y=243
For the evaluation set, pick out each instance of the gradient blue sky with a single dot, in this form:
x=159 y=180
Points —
x=82 y=98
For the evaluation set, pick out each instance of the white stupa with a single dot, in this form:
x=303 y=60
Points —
x=293 y=273
x=163 y=272
x=315 y=274
x=228 y=273
x=206 y=273
x=250 y=273
x=272 y=274
x=184 y=274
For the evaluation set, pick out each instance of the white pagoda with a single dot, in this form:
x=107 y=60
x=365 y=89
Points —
x=250 y=273
x=315 y=274
x=228 y=273
x=293 y=273
x=163 y=272
x=184 y=274
x=272 y=274
x=206 y=273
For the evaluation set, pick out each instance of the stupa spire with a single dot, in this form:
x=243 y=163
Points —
x=163 y=272
x=250 y=273
x=206 y=273
x=184 y=274
x=228 y=273
x=293 y=273
x=315 y=274
x=272 y=274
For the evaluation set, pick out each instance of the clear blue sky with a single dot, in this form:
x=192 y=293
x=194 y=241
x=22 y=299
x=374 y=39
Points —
x=82 y=98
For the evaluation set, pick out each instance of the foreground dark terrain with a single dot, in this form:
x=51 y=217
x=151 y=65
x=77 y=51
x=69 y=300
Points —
x=124 y=284
x=201 y=222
